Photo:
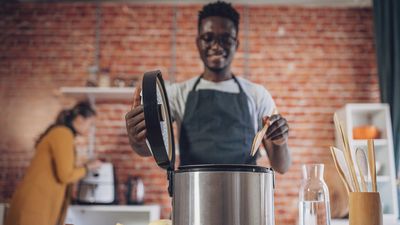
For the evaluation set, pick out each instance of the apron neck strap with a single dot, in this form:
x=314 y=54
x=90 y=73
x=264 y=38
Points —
x=201 y=76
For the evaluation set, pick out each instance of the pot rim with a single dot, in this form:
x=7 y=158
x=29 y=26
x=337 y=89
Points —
x=224 y=168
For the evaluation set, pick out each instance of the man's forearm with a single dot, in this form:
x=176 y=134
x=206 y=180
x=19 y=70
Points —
x=279 y=156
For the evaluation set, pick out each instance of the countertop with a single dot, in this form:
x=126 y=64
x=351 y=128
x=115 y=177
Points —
x=112 y=214
x=386 y=221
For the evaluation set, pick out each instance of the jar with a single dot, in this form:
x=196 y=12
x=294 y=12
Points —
x=104 y=78
x=314 y=206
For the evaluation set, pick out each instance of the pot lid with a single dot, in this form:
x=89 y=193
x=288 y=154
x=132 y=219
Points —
x=160 y=137
x=224 y=168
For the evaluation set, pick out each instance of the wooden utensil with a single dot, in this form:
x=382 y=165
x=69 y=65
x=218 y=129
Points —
x=343 y=165
x=347 y=152
x=371 y=161
x=362 y=165
x=260 y=135
x=340 y=171
x=137 y=97
x=258 y=138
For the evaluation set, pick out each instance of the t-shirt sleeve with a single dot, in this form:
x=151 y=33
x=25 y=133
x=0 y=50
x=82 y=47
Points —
x=177 y=95
x=265 y=103
x=172 y=93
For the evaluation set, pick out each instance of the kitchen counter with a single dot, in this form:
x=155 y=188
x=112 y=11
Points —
x=112 y=214
x=386 y=221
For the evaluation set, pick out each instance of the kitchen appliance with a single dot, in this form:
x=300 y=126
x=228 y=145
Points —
x=98 y=187
x=204 y=194
x=135 y=194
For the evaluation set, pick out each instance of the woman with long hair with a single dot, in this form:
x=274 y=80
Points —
x=43 y=195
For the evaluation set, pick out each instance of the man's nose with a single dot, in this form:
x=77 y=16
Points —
x=216 y=44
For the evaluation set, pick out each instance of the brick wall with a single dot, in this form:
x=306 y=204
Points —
x=312 y=60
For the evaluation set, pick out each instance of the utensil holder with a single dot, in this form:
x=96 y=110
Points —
x=365 y=208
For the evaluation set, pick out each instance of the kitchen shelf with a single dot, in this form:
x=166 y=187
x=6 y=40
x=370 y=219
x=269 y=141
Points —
x=379 y=179
x=99 y=93
x=377 y=142
x=112 y=214
x=378 y=115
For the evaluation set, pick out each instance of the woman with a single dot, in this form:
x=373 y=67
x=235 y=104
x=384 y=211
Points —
x=43 y=195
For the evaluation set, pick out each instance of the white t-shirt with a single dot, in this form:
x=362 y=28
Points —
x=259 y=100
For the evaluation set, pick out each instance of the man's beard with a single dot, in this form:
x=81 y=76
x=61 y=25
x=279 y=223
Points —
x=216 y=70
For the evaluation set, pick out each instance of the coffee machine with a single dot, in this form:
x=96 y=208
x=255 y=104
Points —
x=98 y=187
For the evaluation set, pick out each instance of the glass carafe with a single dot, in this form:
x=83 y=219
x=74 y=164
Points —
x=314 y=196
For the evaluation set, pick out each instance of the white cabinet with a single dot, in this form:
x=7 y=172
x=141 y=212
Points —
x=112 y=214
x=378 y=115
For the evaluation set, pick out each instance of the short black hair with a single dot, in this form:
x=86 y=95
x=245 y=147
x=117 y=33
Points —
x=221 y=9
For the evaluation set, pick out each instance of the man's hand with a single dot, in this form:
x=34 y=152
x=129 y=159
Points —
x=136 y=126
x=278 y=130
x=275 y=142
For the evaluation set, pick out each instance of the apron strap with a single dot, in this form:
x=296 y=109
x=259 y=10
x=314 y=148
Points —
x=197 y=82
x=233 y=77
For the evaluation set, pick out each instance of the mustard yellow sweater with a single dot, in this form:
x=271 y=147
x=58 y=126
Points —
x=40 y=197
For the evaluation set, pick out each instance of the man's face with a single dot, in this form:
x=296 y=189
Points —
x=217 y=42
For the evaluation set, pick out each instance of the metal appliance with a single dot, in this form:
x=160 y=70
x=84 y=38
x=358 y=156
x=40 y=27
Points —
x=135 y=193
x=204 y=194
x=98 y=187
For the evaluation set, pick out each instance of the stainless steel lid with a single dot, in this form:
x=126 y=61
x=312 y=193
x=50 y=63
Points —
x=160 y=137
x=224 y=168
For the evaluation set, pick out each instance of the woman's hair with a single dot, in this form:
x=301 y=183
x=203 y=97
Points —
x=67 y=116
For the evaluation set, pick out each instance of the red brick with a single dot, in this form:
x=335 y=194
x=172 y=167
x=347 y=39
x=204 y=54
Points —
x=312 y=60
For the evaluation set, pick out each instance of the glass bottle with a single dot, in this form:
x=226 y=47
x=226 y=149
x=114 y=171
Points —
x=314 y=196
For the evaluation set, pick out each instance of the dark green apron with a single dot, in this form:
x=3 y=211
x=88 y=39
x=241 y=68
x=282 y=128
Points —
x=216 y=128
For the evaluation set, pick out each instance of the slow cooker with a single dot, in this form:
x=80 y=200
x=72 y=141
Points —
x=211 y=194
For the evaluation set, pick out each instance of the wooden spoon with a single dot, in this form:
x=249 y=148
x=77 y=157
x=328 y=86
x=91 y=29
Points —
x=260 y=135
x=347 y=152
x=258 y=138
x=371 y=160
x=362 y=165
x=340 y=171
x=340 y=158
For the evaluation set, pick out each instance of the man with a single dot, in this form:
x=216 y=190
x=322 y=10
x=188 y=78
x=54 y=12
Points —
x=217 y=113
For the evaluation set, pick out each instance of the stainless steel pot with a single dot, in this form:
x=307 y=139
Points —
x=204 y=194
x=223 y=194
